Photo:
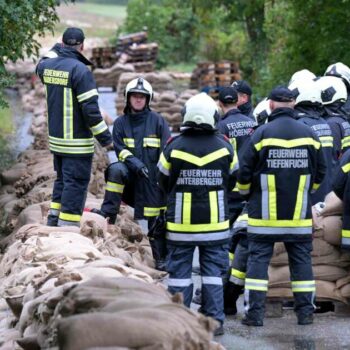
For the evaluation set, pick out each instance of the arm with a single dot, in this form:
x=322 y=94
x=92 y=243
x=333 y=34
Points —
x=321 y=169
x=164 y=167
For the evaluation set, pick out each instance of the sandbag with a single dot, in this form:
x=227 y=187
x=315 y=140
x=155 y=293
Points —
x=342 y=281
x=333 y=205
x=345 y=291
x=332 y=226
x=321 y=248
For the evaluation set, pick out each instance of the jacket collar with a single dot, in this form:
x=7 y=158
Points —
x=246 y=108
x=281 y=112
x=307 y=111
x=69 y=52
x=232 y=111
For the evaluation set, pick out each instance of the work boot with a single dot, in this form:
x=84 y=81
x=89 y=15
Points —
x=250 y=322
x=304 y=320
x=232 y=292
x=197 y=299
x=111 y=217
x=219 y=330
x=52 y=220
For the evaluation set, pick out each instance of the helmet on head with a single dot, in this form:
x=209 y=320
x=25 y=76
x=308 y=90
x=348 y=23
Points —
x=262 y=111
x=333 y=89
x=303 y=74
x=339 y=70
x=200 y=110
x=306 y=92
x=141 y=86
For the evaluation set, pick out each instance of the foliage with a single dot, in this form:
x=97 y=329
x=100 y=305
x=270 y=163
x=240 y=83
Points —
x=20 y=21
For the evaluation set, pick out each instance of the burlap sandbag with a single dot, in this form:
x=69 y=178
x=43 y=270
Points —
x=345 y=291
x=317 y=226
x=332 y=226
x=321 y=248
x=342 y=281
x=333 y=205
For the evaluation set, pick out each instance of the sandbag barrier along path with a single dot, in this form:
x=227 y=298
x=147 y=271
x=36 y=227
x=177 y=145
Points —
x=80 y=288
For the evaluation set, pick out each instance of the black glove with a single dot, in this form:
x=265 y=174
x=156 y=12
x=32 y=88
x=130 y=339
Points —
x=143 y=172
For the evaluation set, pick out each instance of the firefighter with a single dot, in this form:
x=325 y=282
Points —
x=262 y=111
x=341 y=187
x=308 y=106
x=197 y=170
x=334 y=96
x=341 y=71
x=244 y=102
x=303 y=74
x=139 y=137
x=74 y=119
x=282 y=164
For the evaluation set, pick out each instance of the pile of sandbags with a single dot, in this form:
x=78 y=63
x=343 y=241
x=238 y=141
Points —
x=331 y=265
x=110 y=76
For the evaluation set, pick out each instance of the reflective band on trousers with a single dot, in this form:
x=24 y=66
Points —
x=197 y=237
x=55 y=205
x=237 y=281
x=238 y=274
x=179 y=282
x=212 y=280
x=163 y=165
x=114 y=187
x=99 y=128
x=54 y=212
x=67 y=223
x=86 y=95
x=303 y=286
x=70 y=217
x=254 y=284
x=67 y=113
x=345 y=241
x=151 y=211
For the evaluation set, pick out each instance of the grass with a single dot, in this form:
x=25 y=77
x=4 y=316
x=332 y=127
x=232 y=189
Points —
x=114 y=11
x=6 y=124
x=183 y=67
x=6 y=128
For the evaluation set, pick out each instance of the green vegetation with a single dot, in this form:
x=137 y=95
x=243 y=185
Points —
x=113 y=11
x=6 y=128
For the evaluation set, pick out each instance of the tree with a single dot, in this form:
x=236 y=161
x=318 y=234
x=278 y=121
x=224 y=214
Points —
x=20 y=21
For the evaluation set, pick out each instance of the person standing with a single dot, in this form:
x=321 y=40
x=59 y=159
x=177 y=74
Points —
x=139 y=137
x=197 y=170
x=281 y=166
x=74 y=119
x=244 y=102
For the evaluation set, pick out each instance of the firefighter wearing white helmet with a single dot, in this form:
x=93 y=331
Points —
x=139 y=137
x=262 y=111
x=334 y=96
x=197 y=169
x=341 y=71
x=308 y=103
x=303 y=75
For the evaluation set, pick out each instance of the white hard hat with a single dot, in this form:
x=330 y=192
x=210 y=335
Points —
x=306 y=91
x=332 y=89
x=139 y=85
x=200 y=109
x=262 y=111
x=340 y=70
x=303 y=74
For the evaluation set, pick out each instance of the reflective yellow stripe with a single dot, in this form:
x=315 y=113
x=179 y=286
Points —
x=220 y=226
x=231 y=256
x=114 y=187
x=86 y=95
x=124 y=154
x=326 y=141
x=239 y=274
x=243 y=186
x=213 y=202
x=186 y=208
x=243 y=217
x=67 y=113
x=346 y=168
x=345 y=142
x=71 y=142
x=151 y=211
x=129 y=142
x=315 y=186
x=72 y=150
x=55 y=205
x=234 y=164
x=279 y=223
x=300 y=197
x=99 y=128
x=70 y=217
x=305 y=141
x=151 y=142
x=345 y=233
x=271 y=183
x=303 y=286
x=255 y=284
x=235 y=189
x=199 y=161
x=164 y=162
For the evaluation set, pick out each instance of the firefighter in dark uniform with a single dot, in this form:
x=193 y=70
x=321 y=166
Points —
x=341 y=71
x=334 y=96
x=139 y=137
x=244 y=102
x=74 y=119
x=197 y=170
x=341 y=187
x=282 y=164
x=308 y=106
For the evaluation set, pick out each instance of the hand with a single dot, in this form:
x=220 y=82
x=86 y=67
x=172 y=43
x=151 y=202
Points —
x=109 y=147
x=143 y=172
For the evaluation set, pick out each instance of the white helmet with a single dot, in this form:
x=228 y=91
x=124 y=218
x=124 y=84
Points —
x=262 y=111
x=200 y=109
x=303 y=74
x=139 y=85
x=333 y=89
x=307 y=91
x=339 y=70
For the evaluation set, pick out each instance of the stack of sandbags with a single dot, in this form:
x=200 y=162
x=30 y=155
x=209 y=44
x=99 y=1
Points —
x=331 y=265
x=110 y=76
x=160 y=82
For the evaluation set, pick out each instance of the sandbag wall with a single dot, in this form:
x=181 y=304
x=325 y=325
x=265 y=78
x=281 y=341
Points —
x=331 y=265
